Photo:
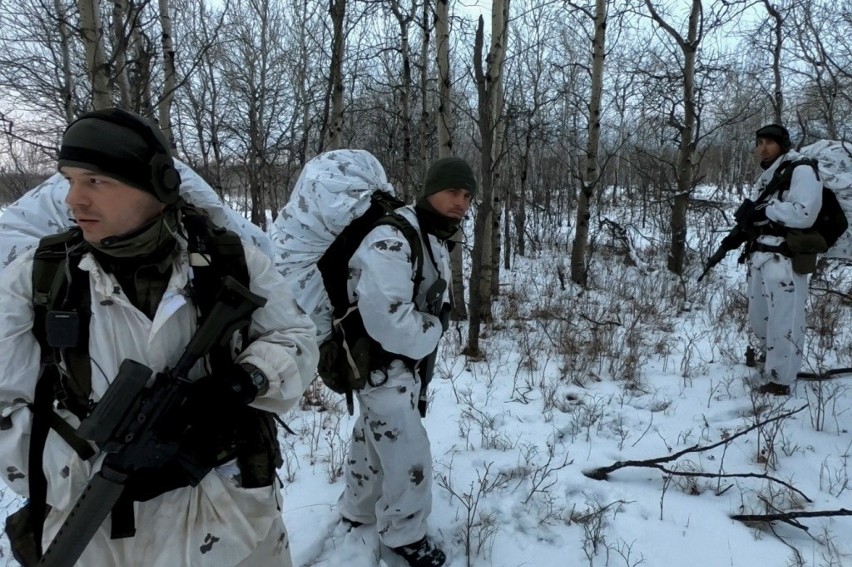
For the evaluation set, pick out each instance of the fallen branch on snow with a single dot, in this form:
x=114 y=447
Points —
x=602 y=473
x=790 y=517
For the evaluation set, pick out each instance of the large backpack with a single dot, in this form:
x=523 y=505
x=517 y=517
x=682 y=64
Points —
x=349 y=355
x=831 y=222
x=339 y=198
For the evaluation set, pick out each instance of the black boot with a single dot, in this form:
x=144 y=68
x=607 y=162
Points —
x=350 y=524
x=421 y=553
x=774 y=389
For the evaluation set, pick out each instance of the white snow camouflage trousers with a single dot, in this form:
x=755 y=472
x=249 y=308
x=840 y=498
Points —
x=388 y=471
x=777 y=301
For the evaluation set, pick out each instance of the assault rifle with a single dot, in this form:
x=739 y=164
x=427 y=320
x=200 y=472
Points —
x=742 y=231
x=135 y=424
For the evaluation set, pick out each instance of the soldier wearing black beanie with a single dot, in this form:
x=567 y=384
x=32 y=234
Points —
x=777 y=133
x=124 y=146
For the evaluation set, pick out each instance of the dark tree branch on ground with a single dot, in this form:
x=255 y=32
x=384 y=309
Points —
x=602 y=473
x=790 y=517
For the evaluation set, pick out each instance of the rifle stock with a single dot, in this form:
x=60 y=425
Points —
x=128 y=421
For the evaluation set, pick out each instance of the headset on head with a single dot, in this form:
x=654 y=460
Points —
x=165 y=179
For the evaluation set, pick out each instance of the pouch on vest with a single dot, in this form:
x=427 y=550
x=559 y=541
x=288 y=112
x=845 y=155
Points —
x=22 y=539
x=346 y=359
x=804 y=264
x=805 y=241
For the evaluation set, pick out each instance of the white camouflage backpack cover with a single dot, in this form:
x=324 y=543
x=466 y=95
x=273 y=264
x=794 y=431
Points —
x=333 y=189
x=835 y=171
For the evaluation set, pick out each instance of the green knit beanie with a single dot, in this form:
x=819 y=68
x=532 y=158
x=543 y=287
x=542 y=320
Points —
x=449 y=173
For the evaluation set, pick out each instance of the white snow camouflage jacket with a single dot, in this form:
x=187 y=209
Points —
x=799 y=205
x=381 y=282
x=219 y=511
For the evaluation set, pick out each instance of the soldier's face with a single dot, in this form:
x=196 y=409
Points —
x=767 y=149
x=452 y=203
x=104 y=207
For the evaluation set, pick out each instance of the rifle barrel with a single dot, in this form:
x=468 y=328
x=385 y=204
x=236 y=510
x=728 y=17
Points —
x=89 y=512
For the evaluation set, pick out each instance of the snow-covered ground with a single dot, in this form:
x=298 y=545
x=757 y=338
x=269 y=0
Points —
x=642 y=365
x=573 y=381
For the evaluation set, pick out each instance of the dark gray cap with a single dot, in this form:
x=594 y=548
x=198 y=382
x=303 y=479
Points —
x=777 y=133
x=124 y=146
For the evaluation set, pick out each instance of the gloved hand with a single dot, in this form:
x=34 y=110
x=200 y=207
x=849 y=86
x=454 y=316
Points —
x=759 y=216
x=216 y=406
x=445 y=317
x=234 y=386
x=245 y=381
x=744 y=212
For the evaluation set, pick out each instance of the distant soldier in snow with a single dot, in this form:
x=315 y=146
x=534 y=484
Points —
x=389 y=467
x=789 y=198
x=133 y=281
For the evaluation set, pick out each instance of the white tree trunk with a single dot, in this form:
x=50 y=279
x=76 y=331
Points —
x=442 y=43
x=591 y=175
x=92 y=32
x=65 y=54
x=170 y=79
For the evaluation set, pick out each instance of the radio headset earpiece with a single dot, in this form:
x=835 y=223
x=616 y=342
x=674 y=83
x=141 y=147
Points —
x=165 y=179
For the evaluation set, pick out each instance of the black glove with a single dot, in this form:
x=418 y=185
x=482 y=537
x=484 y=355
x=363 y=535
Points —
x=759 y=216
x=445 y=317
x=744 y=213
x=734 y=240
x=226 y=389
x=216 y=407
x=245 y=381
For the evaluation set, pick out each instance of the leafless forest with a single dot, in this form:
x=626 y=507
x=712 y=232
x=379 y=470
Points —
x=563 y=106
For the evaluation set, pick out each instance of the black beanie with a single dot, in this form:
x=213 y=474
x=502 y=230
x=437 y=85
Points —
x=449 y=173
x=778 y=134
x=124 y=146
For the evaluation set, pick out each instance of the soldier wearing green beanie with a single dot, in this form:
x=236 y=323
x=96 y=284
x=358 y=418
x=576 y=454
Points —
x=446 y=173
x=389 y=476
x=448 y=189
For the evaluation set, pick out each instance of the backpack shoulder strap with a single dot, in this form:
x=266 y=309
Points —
x=214 y=253
x=62 y=309
x=334 y=263
x=402 y=224
x=784 y=174
x=60 y=290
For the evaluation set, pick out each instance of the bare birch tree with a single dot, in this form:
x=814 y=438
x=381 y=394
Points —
x=777 y=25
x=122 y=81
x=333 y=120
x=164 y=108
x=405 y=87
x=486 y=78
x=591 y=176
x=685 y=123
x=92 y=32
